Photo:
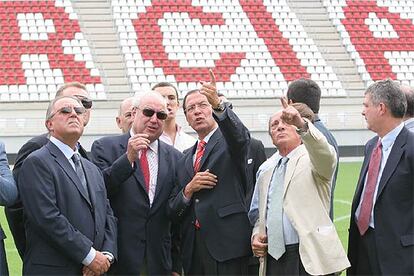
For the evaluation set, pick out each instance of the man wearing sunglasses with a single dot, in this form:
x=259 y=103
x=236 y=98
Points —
x=14 y=213
x=70 y=226
x=139 y=171
x=209 y=201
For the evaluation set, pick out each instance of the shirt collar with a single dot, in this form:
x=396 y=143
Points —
x=65 y=149
x=208 y=136
x=390 y=137
x=408 y=121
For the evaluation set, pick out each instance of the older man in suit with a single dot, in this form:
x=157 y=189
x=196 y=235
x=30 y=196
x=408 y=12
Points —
x=381 y=234
x=139 y=171
x=409 y=113
x=8 y=195
x=293 y=233
x=70 y=226
x=14 y=213
x=209 y=198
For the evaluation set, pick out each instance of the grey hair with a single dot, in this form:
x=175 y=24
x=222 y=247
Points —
x=53 y=102
x=150 y=94
x=390 y=94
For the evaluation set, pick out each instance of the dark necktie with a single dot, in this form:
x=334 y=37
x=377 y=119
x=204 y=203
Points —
x=368 y=196
x=200 y=151
x=79 y=171
x=145 y=168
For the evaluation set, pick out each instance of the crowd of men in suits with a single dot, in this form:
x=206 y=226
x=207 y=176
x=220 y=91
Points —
x=157 y=201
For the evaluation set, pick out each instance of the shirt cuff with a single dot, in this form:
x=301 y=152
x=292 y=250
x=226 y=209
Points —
x=89 y=258
x=186 y=200
x=109 y=256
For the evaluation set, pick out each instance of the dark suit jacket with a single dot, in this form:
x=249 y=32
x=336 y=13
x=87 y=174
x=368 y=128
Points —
x=14 y=213
x=221 y=211
x=332 y=141
x=143 y=231
x=393 y=209
x=62 y=223
x=256 y=155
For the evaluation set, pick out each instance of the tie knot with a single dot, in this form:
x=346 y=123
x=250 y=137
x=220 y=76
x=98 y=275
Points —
x=283 y=161
x=76 y=158
x=379 y=144
x=201 y=144
x=144 y=152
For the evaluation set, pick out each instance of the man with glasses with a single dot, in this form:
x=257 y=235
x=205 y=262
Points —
x=70 y=226
x=139 y=172
x=14 y=213
x=209 y=199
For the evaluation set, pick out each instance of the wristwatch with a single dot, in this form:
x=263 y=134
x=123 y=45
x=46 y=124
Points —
x=303 y=129
x=221 y=106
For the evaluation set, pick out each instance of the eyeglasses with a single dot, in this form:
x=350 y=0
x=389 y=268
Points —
x=86 y=102
x=79 y=110
x=191 y=108
x=148 y=112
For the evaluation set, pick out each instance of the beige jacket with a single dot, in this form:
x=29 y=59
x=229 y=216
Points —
x=306 y=203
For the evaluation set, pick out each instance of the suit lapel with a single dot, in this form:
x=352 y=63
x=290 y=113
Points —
x=291 y=166
x=90 y=181
x=393 y=160
x=264 y=191
x=209 y=147
x=68 y=169
x=189 y=161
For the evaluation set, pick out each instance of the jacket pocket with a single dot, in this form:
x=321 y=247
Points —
x=407 y=240
x=230 y=209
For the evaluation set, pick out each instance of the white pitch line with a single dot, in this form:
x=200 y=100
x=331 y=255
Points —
x=343 y=201
x=342 y=218
x=346 y=216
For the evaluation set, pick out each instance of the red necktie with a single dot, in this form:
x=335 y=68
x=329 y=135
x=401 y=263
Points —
x=368 y=196
x=145 y=168
x=200 y=151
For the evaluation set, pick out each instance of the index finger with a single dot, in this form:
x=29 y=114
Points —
x=212 y=77
x=284 y=102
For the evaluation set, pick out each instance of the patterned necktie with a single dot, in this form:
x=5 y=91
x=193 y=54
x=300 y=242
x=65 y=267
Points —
x=368 y=197
x=145 y=168
x=79 y=171
x=276 y=241
x=200 y=151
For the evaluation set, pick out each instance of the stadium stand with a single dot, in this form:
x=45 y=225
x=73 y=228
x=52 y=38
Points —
x=122 y=47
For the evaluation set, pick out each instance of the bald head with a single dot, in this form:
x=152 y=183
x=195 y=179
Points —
x=124 y=118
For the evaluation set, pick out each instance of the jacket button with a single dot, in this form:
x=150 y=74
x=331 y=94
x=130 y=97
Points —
x=197 y=200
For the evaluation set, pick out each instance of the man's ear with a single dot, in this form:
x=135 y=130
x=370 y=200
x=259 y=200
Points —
x=48 y=125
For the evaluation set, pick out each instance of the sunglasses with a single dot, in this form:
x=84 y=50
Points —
x=86 y=102
x=148 y=112
x=79 y=110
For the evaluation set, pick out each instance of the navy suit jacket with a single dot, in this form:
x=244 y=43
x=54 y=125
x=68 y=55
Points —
x=332 y=141
x=256 y=155
x=62 y=222
x=393 y=209
x=221 y=211
x=14 y=213
x=143 y=230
